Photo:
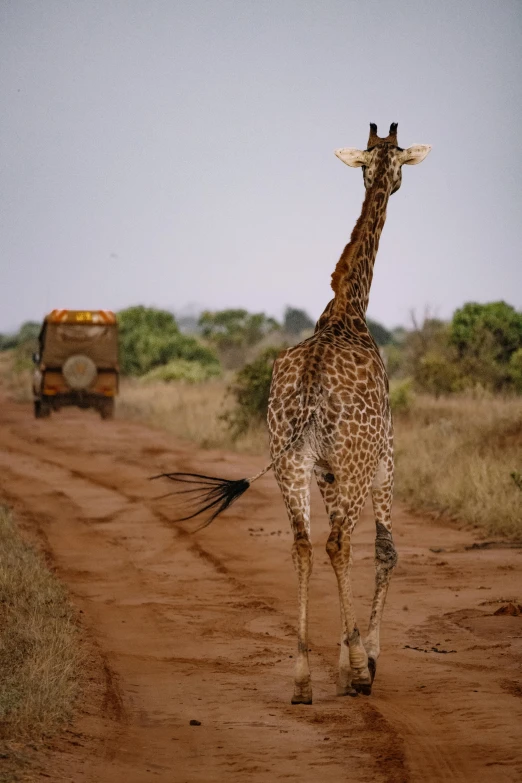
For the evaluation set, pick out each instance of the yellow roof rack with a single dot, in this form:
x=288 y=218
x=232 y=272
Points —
x=81 y=317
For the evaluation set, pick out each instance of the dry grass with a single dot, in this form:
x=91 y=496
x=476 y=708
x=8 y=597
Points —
x=455 y=456
x=40 y=652
x=17 y=382
x=190 y=411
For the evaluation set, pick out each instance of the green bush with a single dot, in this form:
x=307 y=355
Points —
x=393 y=359
x=182 y=370
x=233 y=332
x=488 y=339
x=401 y=397
x=251 y=389
x=24 y=344
x=437 y=374
x=515 y=370
x=28 y=333
x=151 y=338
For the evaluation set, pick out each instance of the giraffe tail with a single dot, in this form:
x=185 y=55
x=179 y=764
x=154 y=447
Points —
x=208 y=493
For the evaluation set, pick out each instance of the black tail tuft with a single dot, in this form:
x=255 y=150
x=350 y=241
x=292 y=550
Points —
x=206 y=493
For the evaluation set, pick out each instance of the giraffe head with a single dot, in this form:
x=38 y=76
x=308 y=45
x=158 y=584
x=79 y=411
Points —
x=383 y=156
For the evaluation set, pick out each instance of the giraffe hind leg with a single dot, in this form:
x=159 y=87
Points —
x=385 y=555
x=344 y=514
x=293 y=473
x=339 y=549
x=326 y=483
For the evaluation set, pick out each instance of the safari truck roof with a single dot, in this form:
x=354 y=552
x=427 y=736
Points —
x=102 y=317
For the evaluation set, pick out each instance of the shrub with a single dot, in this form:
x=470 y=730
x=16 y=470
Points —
x=251 y=389
x=437 y=374
x=28 y=333
x=233 y=332
x=401 y=397
x=182 y=370
x=488 y=338
x=150 y=338
x=515 y=370
x=296 y=321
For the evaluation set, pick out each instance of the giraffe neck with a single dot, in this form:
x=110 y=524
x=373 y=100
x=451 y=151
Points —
x=352 y=278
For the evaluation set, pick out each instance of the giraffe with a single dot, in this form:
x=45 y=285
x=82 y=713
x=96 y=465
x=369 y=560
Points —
x=329 y=415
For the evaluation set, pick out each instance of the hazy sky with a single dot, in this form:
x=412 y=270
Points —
x=179 y=153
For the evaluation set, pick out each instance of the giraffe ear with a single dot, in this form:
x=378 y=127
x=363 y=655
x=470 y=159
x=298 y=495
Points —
x=415 y=154
x=353 y=157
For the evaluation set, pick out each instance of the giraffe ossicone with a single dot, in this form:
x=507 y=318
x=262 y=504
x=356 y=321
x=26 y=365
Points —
x=329 y=416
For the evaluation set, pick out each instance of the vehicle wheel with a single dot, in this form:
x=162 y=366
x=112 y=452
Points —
x=42 y=409
x=107 y=409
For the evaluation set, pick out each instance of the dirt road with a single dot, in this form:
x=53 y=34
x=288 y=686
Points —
x=201 y=627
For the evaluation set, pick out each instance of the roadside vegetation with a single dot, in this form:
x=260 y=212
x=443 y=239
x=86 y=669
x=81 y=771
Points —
x=461 y=457
x=456 y=394
x=40 y=649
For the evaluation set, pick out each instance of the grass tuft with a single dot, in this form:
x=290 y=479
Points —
x=461 y=456
x=16 y=381
x=190 y=411
x=40 y=651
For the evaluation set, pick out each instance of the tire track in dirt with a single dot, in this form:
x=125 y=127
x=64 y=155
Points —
x=205 y=624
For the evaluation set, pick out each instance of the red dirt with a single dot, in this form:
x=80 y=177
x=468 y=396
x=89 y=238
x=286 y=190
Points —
x=200 y=627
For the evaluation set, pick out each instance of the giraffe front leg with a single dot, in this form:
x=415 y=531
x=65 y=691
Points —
x=385 y=555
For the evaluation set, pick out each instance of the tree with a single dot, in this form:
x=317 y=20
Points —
x=429 y=358
x=231 y=328
x=140 y=318
x=150 y=338
x=296 y=321
x=495 y=326
x=233 y=331
x=28 y=333
x=380 y=334
x=487 y=338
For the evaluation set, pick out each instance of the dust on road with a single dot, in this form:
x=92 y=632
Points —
x=200 y=628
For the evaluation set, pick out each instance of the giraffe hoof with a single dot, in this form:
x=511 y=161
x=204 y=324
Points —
x=372 y=668
x=301 y=700
x=363 y=687
x=347 y=690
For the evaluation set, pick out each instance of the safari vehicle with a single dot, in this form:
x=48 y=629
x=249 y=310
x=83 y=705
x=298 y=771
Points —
x=77 y=363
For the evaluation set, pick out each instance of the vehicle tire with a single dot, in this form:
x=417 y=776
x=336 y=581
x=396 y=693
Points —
x=42 y=409
x=79 y=371
x=107 y=409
